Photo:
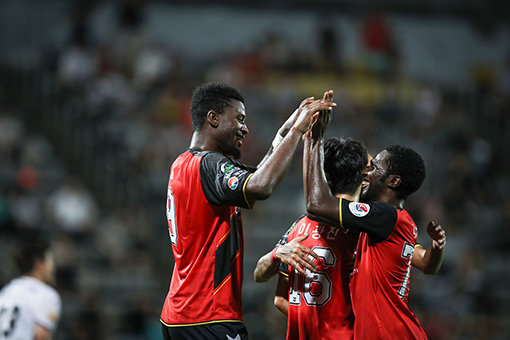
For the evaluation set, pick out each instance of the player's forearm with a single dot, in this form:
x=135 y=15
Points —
x=269 y=152
x=265 y=269
x=41 y=333
x=282 y=304
x=282 y=132
x=281 y=295
x=320 y=203
x=428 y=260
x=267 y=177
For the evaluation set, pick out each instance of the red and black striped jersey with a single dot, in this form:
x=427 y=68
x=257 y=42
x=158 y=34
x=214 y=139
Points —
x=381 y=275
x=320 y=303
x=205 y=191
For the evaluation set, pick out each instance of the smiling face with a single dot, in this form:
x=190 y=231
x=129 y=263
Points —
x=374 y=182
x=364 y=183
x=232 y=129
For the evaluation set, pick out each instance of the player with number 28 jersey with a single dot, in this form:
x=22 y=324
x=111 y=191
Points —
x=319 y=304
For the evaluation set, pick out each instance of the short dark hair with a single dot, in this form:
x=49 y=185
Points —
x=408 y=164
x=211 y=96
x=29 y=252
x=344 y=161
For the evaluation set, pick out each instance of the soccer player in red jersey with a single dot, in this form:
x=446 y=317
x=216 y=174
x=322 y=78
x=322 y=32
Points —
x=205 y=190
x=381 y=275
x=318 y=304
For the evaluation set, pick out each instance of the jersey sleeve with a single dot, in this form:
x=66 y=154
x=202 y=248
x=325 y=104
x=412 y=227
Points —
x=47 y=310
x=224 y=180
x=377 y=219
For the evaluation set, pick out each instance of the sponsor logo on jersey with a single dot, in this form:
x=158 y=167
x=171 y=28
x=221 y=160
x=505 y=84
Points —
x=233 y=183
x=359 y=209
x=226 y=167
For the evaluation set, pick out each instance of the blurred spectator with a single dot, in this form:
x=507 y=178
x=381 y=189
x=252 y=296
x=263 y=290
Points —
x=379 y=42
x=78 y=62
x=73 y=208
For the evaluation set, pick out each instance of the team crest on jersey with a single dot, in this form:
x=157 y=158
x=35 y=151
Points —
x=359 y=209
x=233 y=182
x=226 y=167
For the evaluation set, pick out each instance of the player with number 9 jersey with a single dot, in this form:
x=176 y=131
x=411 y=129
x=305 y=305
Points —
x=208 y=244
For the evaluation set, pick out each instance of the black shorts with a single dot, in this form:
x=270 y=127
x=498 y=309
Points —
x=220 y=331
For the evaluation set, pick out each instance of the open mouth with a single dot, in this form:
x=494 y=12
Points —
x=240 y=139
x=364 y=185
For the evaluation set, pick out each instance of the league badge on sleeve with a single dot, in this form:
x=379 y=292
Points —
x=359 y=209
x=225 y=167
x=233 y=182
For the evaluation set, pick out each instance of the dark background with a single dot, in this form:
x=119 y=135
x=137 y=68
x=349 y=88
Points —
x=94 y=107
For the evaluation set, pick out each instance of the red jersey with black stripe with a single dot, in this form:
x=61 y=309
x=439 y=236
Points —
x=205 y=191
x=381 y=276
x=320 y=304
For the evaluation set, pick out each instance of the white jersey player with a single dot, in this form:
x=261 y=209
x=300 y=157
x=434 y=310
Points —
x=29 y=306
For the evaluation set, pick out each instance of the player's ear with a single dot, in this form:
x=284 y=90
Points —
x=213 y=118
x=394 y=181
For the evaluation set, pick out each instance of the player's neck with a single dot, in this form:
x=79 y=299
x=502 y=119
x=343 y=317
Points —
x=35 y=275
x=392 y=200
x=351 y=197
x=354 y=198
x=203 y=142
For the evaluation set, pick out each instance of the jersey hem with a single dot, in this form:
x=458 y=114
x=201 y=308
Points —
x=197 y=323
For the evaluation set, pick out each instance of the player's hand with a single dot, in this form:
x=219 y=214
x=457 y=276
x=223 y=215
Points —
x=320 y=126
x=310 y=112
x=292 y=118
x=296 y=255
x=437 y=234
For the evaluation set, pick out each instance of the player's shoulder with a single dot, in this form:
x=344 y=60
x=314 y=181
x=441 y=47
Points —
x=220 y=163
x=41 y=287
x=28 y=286
x=214 y=157
x=300 y=225
x=46 y=295
x=295 y=225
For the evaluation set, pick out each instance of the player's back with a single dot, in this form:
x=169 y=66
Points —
x=319 y=304
x=25 y=302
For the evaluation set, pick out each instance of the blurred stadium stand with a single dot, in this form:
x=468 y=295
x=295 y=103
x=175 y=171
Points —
x=94 y=100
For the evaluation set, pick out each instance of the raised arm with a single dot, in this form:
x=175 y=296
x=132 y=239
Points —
x=321 y=205
x=284 y=129
x=429 y=260
x=267 y=177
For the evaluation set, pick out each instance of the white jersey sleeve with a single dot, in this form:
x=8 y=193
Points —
x=46 y=307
